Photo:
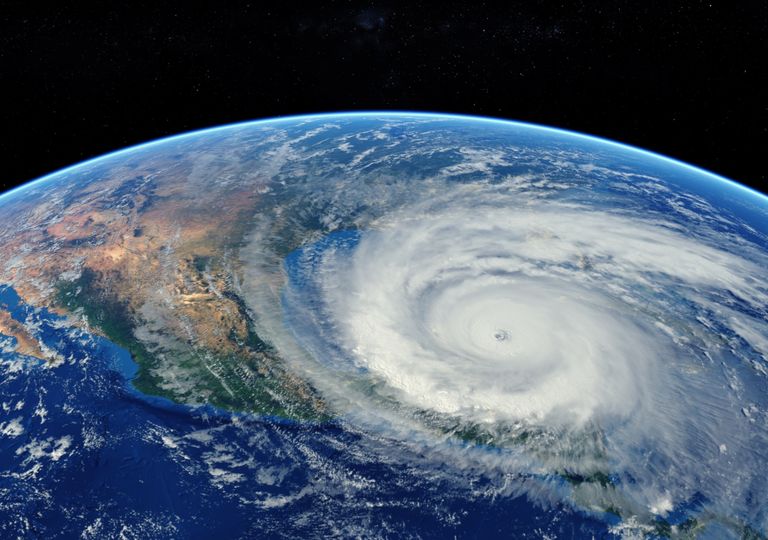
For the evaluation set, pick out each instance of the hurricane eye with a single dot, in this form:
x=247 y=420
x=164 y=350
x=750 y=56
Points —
x=501 y=335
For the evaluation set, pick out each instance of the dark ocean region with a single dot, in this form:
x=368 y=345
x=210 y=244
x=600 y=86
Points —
x=84 y=455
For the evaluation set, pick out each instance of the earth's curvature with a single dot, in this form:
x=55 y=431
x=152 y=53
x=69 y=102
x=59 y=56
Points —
x=383 y=325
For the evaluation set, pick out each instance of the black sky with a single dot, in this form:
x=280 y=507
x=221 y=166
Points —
x=686 y=79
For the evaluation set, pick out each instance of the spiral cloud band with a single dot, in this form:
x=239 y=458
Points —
x=578 y=334
x=549 y=315
x=459 y=315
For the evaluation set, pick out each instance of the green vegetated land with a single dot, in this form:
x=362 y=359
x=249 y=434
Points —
x=254 y=381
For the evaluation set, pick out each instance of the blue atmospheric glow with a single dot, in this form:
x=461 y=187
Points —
x=476 y=118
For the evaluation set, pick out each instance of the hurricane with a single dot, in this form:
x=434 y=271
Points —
x=580 y=339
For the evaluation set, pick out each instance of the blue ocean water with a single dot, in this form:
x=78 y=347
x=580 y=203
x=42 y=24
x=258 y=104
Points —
x=86 y=455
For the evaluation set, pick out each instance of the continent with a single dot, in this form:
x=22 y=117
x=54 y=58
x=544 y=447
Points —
x=145 y=253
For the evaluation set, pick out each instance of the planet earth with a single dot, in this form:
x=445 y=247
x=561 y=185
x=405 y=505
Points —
x=383 y=325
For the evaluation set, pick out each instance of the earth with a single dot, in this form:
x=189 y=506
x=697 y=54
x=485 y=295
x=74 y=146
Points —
x=389 y=325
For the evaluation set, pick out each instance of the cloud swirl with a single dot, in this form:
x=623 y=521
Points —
x=586 y=337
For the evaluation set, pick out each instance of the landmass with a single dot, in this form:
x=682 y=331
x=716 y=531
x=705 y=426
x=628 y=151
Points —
x=144 y=252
